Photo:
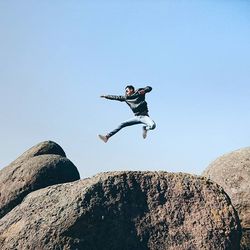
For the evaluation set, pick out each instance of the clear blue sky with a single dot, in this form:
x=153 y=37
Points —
x=58 y=57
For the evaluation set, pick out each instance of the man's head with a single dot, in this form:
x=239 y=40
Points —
x=129 y=90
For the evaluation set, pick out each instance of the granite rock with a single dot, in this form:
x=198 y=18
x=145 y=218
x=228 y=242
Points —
x=232 y=172
x=125 y=210
x=41 y=166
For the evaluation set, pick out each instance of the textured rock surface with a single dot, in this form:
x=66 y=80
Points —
x=232 y=172
x=124 y=210
x=43 y=165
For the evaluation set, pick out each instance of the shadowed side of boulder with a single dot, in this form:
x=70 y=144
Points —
x=39 y=167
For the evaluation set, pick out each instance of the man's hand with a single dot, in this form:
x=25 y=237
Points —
x=141 y=92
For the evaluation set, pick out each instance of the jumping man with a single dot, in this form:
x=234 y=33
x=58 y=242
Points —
x=136 y=101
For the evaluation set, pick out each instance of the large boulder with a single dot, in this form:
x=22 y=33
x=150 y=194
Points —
x=232 y=172
x=43 y=165
x=124 y=210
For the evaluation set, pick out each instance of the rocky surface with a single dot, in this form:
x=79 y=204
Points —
x=43 y=165
x=124 y=210
x=232 y=172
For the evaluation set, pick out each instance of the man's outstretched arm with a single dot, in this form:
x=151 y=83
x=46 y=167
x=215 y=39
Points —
x=114 y=97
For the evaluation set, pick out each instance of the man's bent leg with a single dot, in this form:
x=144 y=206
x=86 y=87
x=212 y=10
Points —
x=150 y=124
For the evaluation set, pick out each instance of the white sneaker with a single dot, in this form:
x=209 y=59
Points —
x=144 y=132
x=103 y=138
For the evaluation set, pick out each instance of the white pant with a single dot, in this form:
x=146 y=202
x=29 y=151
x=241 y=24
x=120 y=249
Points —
x=144 y=119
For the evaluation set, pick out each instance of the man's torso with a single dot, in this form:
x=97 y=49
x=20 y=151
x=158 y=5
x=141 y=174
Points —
x=137 y=103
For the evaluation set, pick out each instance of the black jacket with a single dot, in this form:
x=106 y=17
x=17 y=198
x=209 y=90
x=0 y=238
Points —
x=136 y=101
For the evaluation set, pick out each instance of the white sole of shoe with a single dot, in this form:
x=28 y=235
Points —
x=103 y=138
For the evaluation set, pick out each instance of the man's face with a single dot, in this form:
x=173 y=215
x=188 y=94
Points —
x=129 y=91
